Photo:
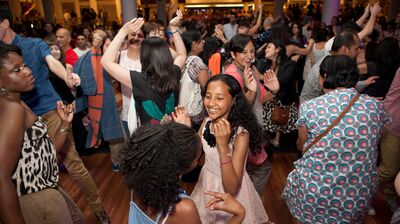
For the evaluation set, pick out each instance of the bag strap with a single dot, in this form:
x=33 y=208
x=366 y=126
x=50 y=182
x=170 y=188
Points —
x=334 y=123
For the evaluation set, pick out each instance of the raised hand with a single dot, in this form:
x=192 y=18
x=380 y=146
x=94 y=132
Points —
x=175 y=21
x=133 y=26
x=271 y=81
x=65 y=112
x=222 y=132
x=375 y=9
x=224 y=202
x=249 y=81
x=181 y=116
x=367 y=9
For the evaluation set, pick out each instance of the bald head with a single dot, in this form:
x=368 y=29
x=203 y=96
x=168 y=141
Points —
x=63 y=38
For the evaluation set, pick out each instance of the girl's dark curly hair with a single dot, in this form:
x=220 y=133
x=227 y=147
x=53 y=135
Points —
x=240 y=113
x=154 y=159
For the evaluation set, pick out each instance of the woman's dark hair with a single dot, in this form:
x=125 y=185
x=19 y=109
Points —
x=189 y=37
x=244 y=22
x=62 y=53
x=211 y=46
x=281 y=31
x=238 y=43
x=339 y=71
x=240 y=113
x=5 y=50
x=282 y=57
x=320 y=34
x=387 y=58
x=154 y=159
x=157 y=63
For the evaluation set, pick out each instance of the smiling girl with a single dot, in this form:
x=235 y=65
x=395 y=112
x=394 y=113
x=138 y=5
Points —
x=226 y=141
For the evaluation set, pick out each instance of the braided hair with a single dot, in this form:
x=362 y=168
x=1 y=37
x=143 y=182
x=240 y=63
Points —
x=154 y=159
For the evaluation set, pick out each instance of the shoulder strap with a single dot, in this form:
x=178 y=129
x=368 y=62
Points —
x=334 y=123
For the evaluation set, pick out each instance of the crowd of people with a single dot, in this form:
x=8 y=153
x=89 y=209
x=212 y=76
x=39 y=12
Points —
x=164 y=96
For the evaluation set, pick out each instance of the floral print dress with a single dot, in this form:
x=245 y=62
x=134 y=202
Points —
x=336 y=178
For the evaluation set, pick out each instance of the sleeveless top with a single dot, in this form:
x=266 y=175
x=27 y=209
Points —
x=37 y=166
x=151 y=105
x=136 y=215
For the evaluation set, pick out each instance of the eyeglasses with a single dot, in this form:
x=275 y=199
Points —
x=139 y=35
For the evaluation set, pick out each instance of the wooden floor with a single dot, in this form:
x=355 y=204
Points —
x=115 y=194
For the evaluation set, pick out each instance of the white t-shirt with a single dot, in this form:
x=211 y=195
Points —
x=130 y=64
x=230 y=30
x=80 y=52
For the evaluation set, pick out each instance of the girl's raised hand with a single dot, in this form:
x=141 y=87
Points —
x=222 y=132
x=175 y=21
x=133 y=26
x=181 y=116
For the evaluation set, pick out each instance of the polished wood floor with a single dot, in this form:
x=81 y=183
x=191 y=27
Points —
x=115 y=194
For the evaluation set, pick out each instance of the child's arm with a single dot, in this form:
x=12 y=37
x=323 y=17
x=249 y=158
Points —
x=231 y=165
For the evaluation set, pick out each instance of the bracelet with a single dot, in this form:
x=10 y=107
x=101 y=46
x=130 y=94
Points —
x=65 y=130
x=226 y=162
x=273 y=92
x=177 y=30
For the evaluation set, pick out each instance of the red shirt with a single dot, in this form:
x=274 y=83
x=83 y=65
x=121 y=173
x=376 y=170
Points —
x=71 y=57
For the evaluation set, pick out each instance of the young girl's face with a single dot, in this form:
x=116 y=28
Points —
x=55 y=51
x=217 y=100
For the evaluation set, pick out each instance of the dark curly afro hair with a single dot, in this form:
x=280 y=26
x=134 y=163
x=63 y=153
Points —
x=153 y=161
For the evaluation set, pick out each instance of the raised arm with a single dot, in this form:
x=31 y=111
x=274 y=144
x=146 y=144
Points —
x=180 y=59
x=293 y=49
x=108 y=60
x=255 y=28
x=364 y=16
x=232 y=165
x=12 y=128
x=375 y=9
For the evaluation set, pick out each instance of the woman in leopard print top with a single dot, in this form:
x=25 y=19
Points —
x=29 y=189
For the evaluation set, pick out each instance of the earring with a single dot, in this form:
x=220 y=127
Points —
x=3 y=91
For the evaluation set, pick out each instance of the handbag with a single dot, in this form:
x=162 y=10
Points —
x=334 y=123
x=280 y=115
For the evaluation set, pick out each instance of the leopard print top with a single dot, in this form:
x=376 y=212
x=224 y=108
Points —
x=37 y=166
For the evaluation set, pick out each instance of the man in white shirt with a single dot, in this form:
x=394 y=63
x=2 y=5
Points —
x=230 y=28
x=81 y=45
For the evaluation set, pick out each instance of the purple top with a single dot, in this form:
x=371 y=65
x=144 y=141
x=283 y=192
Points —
x=392 y=105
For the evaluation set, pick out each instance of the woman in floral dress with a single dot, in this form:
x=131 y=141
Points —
x=336 y=178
